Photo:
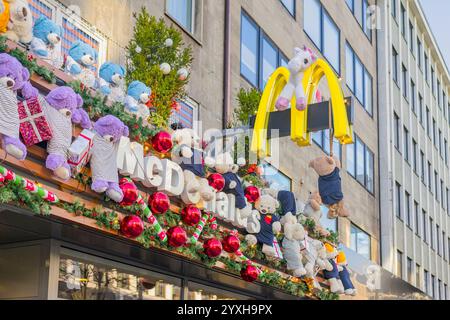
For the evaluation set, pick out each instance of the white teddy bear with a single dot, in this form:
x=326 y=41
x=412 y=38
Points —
x=20 y=26
x=313 y=210
x=332 y=272
x=294 y=233
x=190 y=156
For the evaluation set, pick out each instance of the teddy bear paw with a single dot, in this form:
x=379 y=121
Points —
x=115 y=193
x=282 y=104
x=99 y=186
x=75 y=69
x=187 y=152
x=300 y=272
x=268 y=251
x=301 y=104
x=62 y=173
x=15 y=148
x=105 y=90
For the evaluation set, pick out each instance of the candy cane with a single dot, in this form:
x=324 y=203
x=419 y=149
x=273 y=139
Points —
x=213 y=222
x=199 y=229
x=28 y=185
x=151 y=219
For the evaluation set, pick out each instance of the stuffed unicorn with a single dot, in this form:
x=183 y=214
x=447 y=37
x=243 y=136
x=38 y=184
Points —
x=302 y=60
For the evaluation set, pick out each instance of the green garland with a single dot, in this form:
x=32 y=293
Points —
x=13 y=193
x=28 y=61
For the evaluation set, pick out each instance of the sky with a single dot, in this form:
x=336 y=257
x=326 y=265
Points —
x=437 y=13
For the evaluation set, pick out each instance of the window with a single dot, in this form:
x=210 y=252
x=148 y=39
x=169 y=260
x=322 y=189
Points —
x=413 y=97
x=403 y=20
x=414 y=156
x=322 y=30
x=396 y=131
x=406 y=144
x=277 y=180
x=427 y=78
x=439 y=94
x=431 y=234
x=394 y=9
x=399 y=264
x=426 y=281
x=183 y=11
x=436 y=187
x=433 y=286
x=424 y=226
x=408 y=209
x=322 y=140
x=199 y=292
x=360 y=164
x=419 y=53
x=360 y=242
x=444 y=252
x=439 y=288
x=416 y=218
x=409 y=269
x=360 y=9
x=438 y=239
x=422 y=166
x=442 y=193
x=430 y=178
x=405 y=81
x=359 y=80
x=421 y=115
x=259 y=56
x=433 y=79
x=418 y=284
x=395 y=65
x=428 y=122
x=398 y=200
x=187 y=114
x=290 y=6
x=411 y=37
x=446 y=151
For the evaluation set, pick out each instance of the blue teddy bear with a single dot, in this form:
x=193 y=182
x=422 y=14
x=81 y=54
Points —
x=111 y=81
x=138 y=96
x=80 y=63
x=46 y=41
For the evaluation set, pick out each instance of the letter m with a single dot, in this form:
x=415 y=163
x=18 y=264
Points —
x=130 y=159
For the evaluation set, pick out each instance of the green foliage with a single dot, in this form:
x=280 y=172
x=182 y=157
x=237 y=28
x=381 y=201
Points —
x=150 y=36
x=105 y=218
x=326 y=295
x=248 y=100
x=12 y=193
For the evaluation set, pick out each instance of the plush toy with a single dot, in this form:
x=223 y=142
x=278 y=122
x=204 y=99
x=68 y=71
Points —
x=105 y=178
x=294 y=233
x=62 y=107
x=4 y=15
x=46 y=41
x=138 y=95
x=313 y=210
x=190 y=156
x=288 y=203
x=80 y=63
x=112 y=82
x=13 y=77
x=20 y=26
x=270 y=224
x=302 y=60
x=330 y=185
x=332 y=274
x=344 y=275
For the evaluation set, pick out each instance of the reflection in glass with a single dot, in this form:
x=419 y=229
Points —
x=181 y=10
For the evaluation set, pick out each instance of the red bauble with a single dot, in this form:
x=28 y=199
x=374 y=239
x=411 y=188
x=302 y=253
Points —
x=191 y=215
x=250 y=273
x=213 y=248
x=132 y=227
x=231 y=244
x=177 y=237
x=159 y=203
x=162 y=142
x=217 y=181
x=252 y=194
x=130 y=192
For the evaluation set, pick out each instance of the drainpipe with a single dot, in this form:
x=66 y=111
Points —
x=227 y=66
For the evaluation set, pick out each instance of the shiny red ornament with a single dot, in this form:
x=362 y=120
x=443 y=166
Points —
x=177 y=237
x=162 y=142
x=217 y=181
x=191 y=215
x=213 y=248
x=132 y=227
x=159 y=203
x=231 y=244
x=130 y=192
x=250 y=273
x=252 y=194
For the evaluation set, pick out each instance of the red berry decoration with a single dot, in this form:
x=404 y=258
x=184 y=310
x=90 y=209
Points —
x=250 y=273
x=231 y=244
x=217 y=181
x=159 y=203
x=130 y=192
x=132 y=227
x=191 y=215
x=177 y=237
x=252 y=194
x=162 y=142
x=213 y=248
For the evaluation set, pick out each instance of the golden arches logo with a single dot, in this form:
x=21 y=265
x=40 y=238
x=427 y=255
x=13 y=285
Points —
x=343 y=131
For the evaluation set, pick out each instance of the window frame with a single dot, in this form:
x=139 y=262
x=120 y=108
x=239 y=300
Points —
x=354 y=175
x=354 y=227
x=192 y=30
x=294 y=13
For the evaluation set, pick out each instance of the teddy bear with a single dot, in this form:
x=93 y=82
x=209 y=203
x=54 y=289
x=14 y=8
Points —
x=13 y=78
x=138 y=95
x=288 y=203
x=80 y=63
x=303 y=59
x=46 y=41
x=111 y=82
x=332 y=274
x=20 y=26
x=190 y=156
x=270 y=224
x=62 y=107
x=105 y=178
x=294 y=233
x=313 y=210
x=330 y=185
x=344 y=274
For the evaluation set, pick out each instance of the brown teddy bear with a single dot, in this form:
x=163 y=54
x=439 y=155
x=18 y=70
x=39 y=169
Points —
x=330 y=185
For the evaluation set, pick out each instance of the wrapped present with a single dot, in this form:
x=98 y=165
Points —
x=276 y=246
x=80 y=151
x=34 y=126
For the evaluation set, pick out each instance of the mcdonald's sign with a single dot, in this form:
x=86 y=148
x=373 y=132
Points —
x=342 y=126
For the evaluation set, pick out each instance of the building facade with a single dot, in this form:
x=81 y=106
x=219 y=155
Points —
x=414 y=133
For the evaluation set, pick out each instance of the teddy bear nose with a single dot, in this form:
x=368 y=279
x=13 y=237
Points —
x=58 y=38
x=111 y=139
x=68 y=113
x=10 y=83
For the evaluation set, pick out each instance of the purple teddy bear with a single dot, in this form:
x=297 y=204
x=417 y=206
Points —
x=105 y=178
x=62 y=107
x=13 y=77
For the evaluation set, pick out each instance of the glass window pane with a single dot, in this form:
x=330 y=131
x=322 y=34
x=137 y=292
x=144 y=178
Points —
x=368 y=103
x=181 y=10
x=331 y=42
x=360 y=168
x=351 y=159
x=349 y=66
x=369 y=170
x=270 y=61
x=312 y=21
x=249 y=51
x=359 y=80
x=290 y=5
x=276 y=179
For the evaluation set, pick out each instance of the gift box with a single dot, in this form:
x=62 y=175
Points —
x=80 y=151
x=34 y=126
x=278 y=253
